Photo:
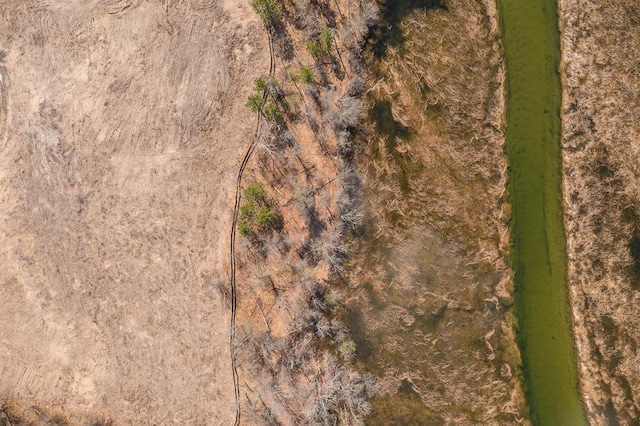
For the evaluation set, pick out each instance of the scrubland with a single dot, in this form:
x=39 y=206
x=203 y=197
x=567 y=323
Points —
x=300 y=200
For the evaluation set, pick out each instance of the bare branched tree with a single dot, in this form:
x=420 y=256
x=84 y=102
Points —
x=352 y=219
x=343 y=394
x=348 y=114
x=344 y=144
x=330 y=248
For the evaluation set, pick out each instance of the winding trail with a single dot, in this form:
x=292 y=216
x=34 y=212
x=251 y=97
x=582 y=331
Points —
x=232 y=249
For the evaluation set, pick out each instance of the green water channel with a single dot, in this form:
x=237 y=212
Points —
x=532 y=52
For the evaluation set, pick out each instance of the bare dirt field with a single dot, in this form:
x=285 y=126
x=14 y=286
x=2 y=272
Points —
x=121 y=125
x=601 y=130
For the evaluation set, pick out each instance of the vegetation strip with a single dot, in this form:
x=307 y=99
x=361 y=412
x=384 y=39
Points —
x=232 y=251
x=299 y=200
x=531 y=45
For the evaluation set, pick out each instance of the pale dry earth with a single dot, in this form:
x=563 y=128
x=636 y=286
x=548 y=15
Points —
x=122 y=123
x=601 y=131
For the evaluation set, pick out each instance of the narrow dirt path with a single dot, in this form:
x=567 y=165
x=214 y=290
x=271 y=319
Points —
x=232 y=251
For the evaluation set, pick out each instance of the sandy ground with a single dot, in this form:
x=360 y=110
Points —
x=120 y=130
x=601 y=130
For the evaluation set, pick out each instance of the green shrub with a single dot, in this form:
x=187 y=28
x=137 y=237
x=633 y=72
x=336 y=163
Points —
x=321 y=44
x=245 y=228
x=347 y=349
x=265 y=218
x=254 y=103
x=326 y=40
x=255 y=214
x=246 y=211
x=269 y=11
x=314 y=48
x=260 y=85
x=255 y=194
x=284 y=102
x=245 y=220
x=272 y=112
x=307 y=75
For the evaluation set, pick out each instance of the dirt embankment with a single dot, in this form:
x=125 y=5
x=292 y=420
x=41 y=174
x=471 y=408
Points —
x=121 y=127
x=601 y=131
x=433 y=290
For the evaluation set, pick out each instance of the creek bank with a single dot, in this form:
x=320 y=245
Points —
x=601 y=129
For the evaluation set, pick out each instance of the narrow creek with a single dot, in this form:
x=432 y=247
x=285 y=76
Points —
x=532 y=52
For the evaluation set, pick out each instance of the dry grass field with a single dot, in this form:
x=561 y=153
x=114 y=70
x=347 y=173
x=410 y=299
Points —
x=601 y=131
x=121 y=125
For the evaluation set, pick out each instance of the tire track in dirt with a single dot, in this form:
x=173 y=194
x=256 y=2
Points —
x=202 y=4
x=118 y=7
x=45 y=24
x=232 y=251
x=4 y=104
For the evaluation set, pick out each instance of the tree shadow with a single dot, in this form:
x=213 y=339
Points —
x=393 y=12
x=381 y=114
x=282 y=41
